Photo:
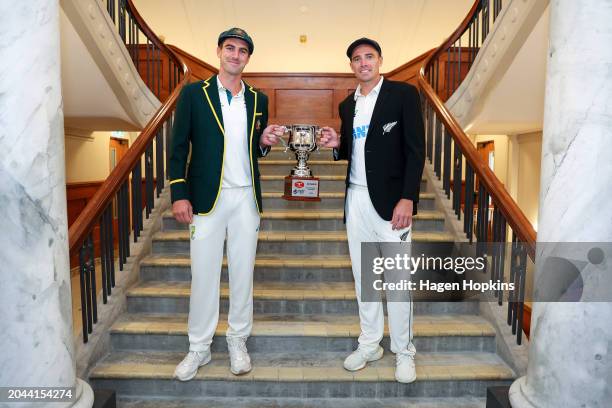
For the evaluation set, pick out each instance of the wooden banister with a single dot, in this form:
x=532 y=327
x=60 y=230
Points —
x=442 y=131
x=93 y=210
x=509 y=208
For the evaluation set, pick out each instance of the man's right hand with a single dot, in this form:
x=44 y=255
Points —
x=182 y=211
x=329 y=137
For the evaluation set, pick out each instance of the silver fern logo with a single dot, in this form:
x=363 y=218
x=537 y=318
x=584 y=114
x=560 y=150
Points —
x=387 y=128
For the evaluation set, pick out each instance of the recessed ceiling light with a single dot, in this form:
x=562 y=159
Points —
x=303 y=9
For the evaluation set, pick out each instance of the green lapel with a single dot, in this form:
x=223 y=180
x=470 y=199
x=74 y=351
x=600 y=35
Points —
x=250 y=98
x=212 y=98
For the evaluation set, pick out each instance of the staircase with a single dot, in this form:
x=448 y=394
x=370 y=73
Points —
x=306 y=319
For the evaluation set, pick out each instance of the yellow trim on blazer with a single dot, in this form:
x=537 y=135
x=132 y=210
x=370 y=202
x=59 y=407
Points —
x=212 y=108
x=177 y=181
x=251 y=148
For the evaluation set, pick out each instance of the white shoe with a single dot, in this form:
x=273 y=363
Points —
x=188 y=368
x=360 y=357
x=405 y=370
x=240 y=362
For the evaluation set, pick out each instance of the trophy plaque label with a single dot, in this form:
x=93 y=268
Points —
x=301 y=188
x=300 y=184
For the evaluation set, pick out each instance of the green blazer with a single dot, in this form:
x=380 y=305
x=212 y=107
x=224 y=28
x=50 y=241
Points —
x=198 y=121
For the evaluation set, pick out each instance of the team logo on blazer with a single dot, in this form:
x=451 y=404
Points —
x=405 y=234
x=387 y=127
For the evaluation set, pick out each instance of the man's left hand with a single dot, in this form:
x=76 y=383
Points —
x=402 y=214
x=271 y=135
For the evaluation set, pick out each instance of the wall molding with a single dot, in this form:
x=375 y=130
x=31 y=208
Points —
x=79 y=134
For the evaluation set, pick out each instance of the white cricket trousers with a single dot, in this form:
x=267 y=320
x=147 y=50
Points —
x=363 y=224
x=235 y=217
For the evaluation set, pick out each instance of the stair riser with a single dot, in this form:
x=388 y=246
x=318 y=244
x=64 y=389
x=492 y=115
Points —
x=328 y=186
x=316 y=169
x=331 y=224
x=336 y=224
x=282 y=344
x=260 y=274
x=326 y=204
x=325 y=186
x=335 y=389
x=289 y=155
x=287 y=248
x=137 y=304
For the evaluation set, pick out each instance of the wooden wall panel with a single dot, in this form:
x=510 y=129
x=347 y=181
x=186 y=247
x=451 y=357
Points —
x=311 y=98
x=296 y=103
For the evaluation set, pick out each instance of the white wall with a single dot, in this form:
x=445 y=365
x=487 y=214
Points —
x=528 y=186
x=87 y=155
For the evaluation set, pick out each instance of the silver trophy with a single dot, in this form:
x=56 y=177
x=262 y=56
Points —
x=302 y=141
x=300 y=184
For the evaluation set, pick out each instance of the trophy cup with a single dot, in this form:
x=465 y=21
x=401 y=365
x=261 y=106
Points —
x=300 y=184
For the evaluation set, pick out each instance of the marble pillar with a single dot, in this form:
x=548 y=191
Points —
x=36 y=343
x=570 y=355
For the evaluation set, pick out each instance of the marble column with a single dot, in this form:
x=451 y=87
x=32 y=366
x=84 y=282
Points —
x=36 y=344
x=570 y=355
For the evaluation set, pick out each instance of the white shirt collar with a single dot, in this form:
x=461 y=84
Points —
x=222 y=88
x=376 y=89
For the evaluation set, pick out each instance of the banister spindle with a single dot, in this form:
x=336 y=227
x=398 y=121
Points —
x=447 y=163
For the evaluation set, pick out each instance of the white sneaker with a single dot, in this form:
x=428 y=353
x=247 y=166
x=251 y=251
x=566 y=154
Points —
x=405 y=370
x=188 y=368
x=240 y=362
x=360 y=357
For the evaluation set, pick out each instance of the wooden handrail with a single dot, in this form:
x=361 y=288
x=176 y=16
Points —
x=508 y=207
x=93 y=210
x=408 y=64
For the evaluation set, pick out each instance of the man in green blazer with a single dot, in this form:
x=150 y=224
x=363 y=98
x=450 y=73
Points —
x=217 y=192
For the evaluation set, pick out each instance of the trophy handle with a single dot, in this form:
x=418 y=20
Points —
x=283 y=141
x=317 y=138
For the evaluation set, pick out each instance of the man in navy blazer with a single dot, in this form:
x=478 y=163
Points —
x=382 y=137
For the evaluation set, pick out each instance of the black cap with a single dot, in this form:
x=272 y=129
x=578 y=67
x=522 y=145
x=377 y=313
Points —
x=361 y=41
x=237 y=33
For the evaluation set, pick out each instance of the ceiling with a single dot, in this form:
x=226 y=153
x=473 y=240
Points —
x=404 y=28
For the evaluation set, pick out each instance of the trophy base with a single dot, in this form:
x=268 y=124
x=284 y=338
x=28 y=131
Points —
x=301 y=188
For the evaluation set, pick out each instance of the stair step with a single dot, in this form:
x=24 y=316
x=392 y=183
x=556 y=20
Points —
x=318 y=167
x=318 y=220
x=279 y=153
x=269 y=290
x=271 y=267
x=273 y=200
x=318 y=374
x=275 y=298
x=327 y=182
x=286 y=242
x=255 y=402
x=285 y=333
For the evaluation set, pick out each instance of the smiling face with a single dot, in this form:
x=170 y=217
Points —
x=233 y=56
x=365 y=63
